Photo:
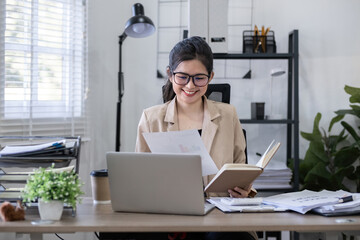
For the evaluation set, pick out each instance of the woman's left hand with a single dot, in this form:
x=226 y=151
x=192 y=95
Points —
x=240 y=192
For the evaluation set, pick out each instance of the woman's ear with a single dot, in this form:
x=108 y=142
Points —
x=168 y=72
x=211 y=76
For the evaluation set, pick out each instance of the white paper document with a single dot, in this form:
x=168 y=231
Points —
x=305 y=200
x=188 y=141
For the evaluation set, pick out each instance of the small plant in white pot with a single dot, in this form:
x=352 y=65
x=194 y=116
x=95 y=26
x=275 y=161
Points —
x=52 y=189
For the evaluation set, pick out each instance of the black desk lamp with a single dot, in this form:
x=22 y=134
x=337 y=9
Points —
x=138 y=26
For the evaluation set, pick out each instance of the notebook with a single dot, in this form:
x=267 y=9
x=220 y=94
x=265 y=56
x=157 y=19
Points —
x=156 y=183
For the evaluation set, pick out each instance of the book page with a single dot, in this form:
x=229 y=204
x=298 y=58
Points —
x=269 y=153
x=235 y=166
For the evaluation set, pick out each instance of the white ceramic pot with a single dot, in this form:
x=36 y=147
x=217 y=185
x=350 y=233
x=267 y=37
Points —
x=51 y=210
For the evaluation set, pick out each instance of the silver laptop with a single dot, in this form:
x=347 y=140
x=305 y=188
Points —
x=156 y=183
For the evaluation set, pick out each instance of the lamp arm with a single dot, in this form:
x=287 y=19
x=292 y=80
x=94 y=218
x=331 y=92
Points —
x=122 y=38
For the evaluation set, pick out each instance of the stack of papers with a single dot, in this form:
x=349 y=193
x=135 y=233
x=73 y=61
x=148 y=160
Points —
x=227 y=204
x=322 y=202
x=29 y=150
x=275 y=176
x=341 y=209
x=60 y=152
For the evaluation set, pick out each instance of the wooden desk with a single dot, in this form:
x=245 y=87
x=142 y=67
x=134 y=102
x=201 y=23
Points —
x=101 y=218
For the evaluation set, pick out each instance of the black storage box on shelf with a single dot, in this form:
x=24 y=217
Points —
x=255 y=43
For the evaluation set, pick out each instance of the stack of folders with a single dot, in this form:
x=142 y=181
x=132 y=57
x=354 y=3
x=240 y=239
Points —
x=43 y=149
x=275 y=176
x=327 y=203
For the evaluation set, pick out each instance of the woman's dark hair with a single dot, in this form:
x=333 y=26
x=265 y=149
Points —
x=187 y=49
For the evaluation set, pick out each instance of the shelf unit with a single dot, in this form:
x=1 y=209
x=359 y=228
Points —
x=28 y=162
x=292 y=120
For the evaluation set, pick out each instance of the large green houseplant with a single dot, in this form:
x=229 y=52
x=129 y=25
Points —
x=332 y=161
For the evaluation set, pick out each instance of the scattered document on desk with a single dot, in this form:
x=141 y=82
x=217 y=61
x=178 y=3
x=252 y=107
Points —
x=341 y=209
x=306 y=200
x=188 y=141
x=241 y=201
x=17 y=150
x=221 y=203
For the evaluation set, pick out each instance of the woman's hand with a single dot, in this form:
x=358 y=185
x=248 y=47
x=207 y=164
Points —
x=240 y=192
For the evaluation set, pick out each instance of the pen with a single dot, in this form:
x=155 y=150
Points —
x=346 y=199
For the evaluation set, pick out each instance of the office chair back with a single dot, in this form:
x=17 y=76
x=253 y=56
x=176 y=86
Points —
x=219 y=92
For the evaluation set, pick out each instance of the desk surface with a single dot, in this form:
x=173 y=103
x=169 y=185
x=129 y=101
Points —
x=101 y=218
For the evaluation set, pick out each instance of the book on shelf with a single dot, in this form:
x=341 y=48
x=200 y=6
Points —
x=240 y=175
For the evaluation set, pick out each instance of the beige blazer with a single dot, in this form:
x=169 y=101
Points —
x=221 y=130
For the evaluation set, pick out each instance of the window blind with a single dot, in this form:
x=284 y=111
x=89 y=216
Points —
x=43 y=67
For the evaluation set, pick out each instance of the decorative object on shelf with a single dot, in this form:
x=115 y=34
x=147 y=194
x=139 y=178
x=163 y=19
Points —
x=332 y=162
x=138 y=26
x=257 y=110
x=8 y=212
x=259 y=41
x=46 y=185
x=274 y=73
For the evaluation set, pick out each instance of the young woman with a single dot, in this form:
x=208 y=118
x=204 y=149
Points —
x=189 y=72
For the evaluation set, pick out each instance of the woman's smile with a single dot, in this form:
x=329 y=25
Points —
x=190 y=93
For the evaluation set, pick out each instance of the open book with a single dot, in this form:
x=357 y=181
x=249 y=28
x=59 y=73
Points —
x=240 y=175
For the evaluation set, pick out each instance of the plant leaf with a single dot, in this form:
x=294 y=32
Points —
x=355 y=175
x=343 y=172
x=335 y=120
x=317 y=177
x=344 y=111
x=307 y=136
x=351 y=131
x=346 y=156
x=354 y=92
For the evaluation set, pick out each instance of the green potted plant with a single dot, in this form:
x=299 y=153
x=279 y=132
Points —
x=332 y=161
x=52 y=189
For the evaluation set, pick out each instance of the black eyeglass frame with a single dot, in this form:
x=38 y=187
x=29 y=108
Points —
x=192 y=78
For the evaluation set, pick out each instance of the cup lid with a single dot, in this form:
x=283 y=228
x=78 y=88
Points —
x=99 y=173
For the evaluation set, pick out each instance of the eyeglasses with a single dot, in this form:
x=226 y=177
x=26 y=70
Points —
x=199 y=80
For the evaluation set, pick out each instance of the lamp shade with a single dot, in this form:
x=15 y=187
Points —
x=278 y=71
x=139 y=25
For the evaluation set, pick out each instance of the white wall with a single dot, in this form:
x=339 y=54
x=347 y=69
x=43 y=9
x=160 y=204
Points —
x=328 y=57
x=106 y=23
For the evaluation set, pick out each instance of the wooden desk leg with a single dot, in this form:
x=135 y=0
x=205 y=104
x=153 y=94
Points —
x=36 y=236
x=331 y=235
x=271 y=235
x=33 y=236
